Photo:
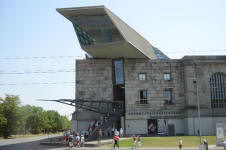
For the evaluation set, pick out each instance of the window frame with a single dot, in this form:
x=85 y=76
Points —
x=167 y=76
x=143 y=100
x=168 y=100
x=218 y=90
x=140 y=77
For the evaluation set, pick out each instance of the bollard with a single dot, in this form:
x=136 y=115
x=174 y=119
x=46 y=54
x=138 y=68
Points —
x=201 y=147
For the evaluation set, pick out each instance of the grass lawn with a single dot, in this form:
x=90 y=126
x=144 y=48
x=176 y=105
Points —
x=188 y=141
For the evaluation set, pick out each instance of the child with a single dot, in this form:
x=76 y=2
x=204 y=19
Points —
x=134 y=141
x=139 y=140
x=180 y=144
x=116 y=141
x=205 y=144
x=70 y=139
x=78 y=140
x=82 y=141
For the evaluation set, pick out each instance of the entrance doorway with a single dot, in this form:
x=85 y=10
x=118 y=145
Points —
x=118 y=80
x=118 y=85
x=152 y=126
x=171 y=129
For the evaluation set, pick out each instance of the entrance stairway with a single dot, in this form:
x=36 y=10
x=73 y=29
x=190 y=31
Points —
x=115 y=108
x=104 y=126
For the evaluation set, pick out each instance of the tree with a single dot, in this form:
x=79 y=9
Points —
x=10 y=110
x=52 y=120
x=23 y=119
x=34 y=122
x=57 y=122
x=66 y=124
x=3 y=120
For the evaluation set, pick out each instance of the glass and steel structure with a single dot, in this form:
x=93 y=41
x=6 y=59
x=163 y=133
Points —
x=218 y=90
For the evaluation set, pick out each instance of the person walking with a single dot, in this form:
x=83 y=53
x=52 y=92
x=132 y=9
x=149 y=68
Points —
x=224 y=144
x=121 y=132
x=116 y=132
x=116 y=141
x=82 y=140
x=139 y=140
x=134 y=142
x=100 y=136
x=180 y=144
x=70 y=141
x=112 y=131
x=77 y=140
x=205 y=144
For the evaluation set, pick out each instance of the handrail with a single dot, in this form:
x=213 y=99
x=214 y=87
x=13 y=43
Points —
x=115 y=107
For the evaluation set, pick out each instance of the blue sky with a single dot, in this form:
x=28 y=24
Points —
x=34 y=29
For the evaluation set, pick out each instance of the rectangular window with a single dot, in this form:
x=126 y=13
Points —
x=84 y=37
x=106 y=34
x=143 y=97
x=168 y=96
x=167 y=76
x=142 y=76
x=118 y=70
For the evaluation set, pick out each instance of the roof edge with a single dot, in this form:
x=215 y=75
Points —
x=79 y=8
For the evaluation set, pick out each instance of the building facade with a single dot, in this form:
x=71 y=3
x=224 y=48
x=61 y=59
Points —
x=160 y=95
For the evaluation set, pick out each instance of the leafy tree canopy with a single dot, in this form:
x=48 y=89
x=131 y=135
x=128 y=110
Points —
x=28 y=119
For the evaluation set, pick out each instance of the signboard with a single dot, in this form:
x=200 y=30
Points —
x=155 y=113
x=220 y=133
x=162 y=124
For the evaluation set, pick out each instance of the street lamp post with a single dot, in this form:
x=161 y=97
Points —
x=197 y=96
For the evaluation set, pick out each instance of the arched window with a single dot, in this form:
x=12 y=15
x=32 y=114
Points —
x=218 y=90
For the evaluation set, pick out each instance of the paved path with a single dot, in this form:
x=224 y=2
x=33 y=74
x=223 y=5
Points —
x=29 y=143
x=33 y=143
x=103 y=148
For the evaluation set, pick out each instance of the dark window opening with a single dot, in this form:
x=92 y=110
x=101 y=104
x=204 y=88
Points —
x=168 y=96
x=118 y=80
x=106 y=34
x=119 y=92
x=143 y=97
x=118 y=72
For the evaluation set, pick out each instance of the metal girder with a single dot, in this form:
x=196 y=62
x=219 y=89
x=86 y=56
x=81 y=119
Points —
x=88 y=105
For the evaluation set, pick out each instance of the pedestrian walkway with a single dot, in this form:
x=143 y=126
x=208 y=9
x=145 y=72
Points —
x=104 y=142
x=143 y=148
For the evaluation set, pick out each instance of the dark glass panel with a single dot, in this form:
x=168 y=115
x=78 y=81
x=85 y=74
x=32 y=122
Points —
x=118 y=65
x=106 y=34
x=143 y=97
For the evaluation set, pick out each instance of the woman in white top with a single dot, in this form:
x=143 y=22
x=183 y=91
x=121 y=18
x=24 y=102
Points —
x=180 y=144
x=82 y=141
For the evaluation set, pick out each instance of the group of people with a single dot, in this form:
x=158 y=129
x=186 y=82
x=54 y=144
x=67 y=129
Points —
x=180 y=144
x=74 y=139
x=98 y=123
x=114 y=131
x=136 y=140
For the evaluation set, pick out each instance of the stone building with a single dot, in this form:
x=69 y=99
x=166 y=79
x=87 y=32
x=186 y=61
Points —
x=160 y=95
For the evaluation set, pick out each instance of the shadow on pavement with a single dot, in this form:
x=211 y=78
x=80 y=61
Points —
x=34 y=145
